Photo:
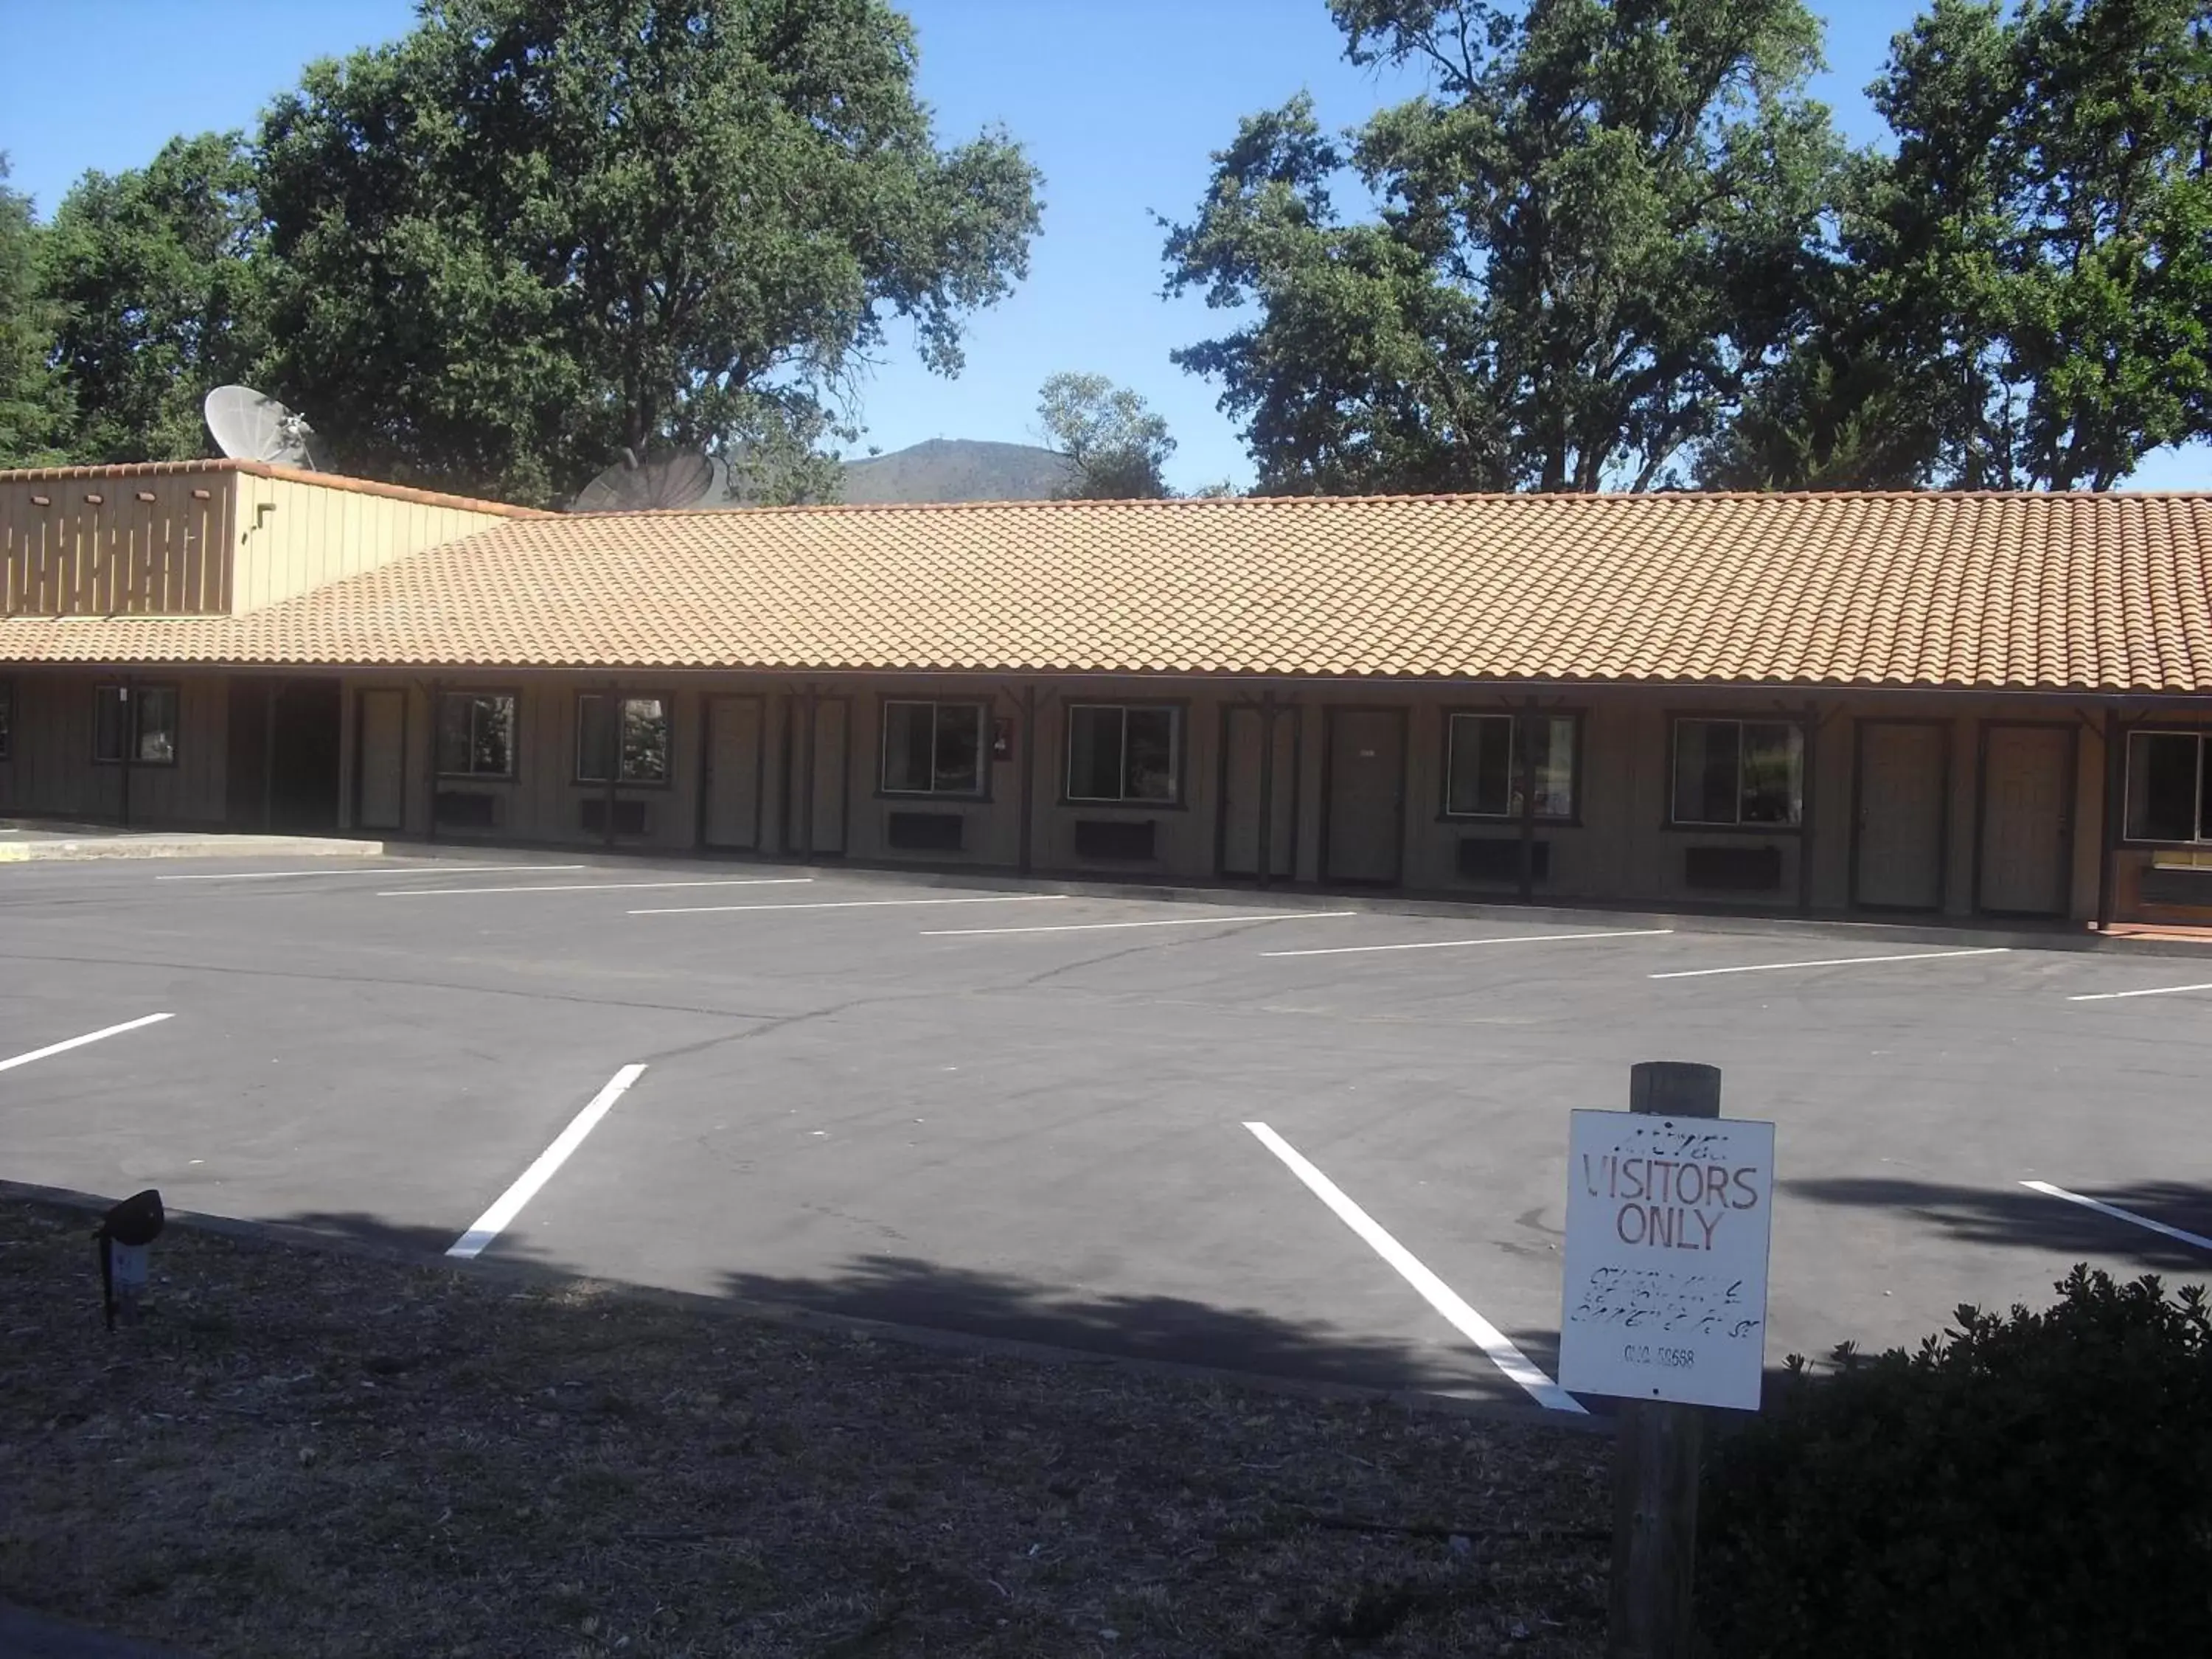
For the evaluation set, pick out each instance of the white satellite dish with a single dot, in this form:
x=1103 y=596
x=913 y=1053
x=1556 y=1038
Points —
x=684 y=479
x=252 y=426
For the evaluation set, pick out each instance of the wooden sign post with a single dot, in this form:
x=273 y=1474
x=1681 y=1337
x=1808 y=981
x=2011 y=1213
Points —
x=1665 y=1309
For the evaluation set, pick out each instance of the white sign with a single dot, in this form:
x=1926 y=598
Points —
x=1668 y=1222
x=127 y=1262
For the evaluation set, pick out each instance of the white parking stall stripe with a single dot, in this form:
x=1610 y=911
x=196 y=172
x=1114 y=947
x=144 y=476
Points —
x=2154 y=991
x=508 y=1205
x=1461 y=944
x=852 y=904
x=384 y=869
x=1101 y=926
x=2119 y=1214
x=1437 y=1294
x=599 y=886
x=1831 y=962
x=79 y=1042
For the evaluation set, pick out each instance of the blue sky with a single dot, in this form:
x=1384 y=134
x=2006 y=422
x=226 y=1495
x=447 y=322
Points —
x=1119 y=103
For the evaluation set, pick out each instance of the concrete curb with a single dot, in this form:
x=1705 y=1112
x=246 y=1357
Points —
x=26 y=1635
x=538 y=1276
x=97 y=846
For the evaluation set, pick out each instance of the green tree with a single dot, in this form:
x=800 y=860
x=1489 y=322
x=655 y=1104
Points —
x=1115 y=444
x=33 y=406
x=151 y=277
x=1592 y=231
x=529 y=234
x=2023 y=286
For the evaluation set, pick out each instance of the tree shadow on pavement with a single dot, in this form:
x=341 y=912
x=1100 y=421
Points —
x=904 y=1290
x=2020 y=1217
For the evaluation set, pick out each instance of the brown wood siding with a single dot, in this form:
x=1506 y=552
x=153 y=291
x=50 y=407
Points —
x=53 y=772
x=117 y=555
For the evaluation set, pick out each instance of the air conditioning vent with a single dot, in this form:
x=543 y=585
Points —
x=1732 y=869
x=465 y=809
x=1492 y=858
x=924 y=832
x=1121 y=839
x=629 y=815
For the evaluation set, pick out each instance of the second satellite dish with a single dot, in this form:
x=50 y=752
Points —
x=251 y=426
x=686 y=478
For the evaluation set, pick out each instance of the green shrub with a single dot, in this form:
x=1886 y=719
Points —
x=2036 y=1484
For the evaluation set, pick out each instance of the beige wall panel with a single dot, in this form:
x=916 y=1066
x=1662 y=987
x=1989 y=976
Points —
x=294 y=537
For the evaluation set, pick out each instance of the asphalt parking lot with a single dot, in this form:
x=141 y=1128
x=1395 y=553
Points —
x=1026 y=1114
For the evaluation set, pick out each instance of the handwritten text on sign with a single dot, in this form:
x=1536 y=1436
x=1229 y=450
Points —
x=1667 y=1222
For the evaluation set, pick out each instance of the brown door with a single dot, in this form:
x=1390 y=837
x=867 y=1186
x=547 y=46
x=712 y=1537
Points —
x=818 y=762
x=2027 y=787
x=1366 y=823
x=1900 y=815
x=732 y=812
x=380 y=760
x=1257 y=788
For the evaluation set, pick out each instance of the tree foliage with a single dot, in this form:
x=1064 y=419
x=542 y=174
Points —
x=2021 y=295
x=33 y=403
x=529 y=233
x=1115 y=444
x=1592 y=227
x=151 y=277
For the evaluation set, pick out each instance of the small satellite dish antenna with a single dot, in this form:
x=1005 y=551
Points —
x=251 y=426
x=686 y=478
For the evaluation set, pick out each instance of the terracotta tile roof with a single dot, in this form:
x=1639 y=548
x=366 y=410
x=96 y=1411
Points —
x=270 y=469
x=2080 y=593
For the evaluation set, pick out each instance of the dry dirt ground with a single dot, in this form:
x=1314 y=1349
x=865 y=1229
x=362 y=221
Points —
x=300 y=1452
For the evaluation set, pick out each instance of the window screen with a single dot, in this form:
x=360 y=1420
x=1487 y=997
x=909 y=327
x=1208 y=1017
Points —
x=476 y=734
x=932 y=748
x=1740 y=772
x=1123 y=753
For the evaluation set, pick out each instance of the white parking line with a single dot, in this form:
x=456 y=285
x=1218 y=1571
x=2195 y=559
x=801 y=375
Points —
x=386 y=870
x=1101 y=926
x=2118 y=1214
x=79 y=1042
x=852 y=904
x=1437 y=1294
x=1460 y=944
x=2155 y=991
x=508 y=1205
x=1831 y=962
x=598 y=886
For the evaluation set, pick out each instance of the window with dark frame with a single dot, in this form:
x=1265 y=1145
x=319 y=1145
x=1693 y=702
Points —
x=1482 y=767
x=932 y=748
x=1127 y=753
x=2166 y=785
x=135 y=723
x=476 y=734
x=645 y=737
x=1731 y=773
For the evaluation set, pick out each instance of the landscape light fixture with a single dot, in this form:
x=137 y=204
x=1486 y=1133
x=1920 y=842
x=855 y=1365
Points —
x=122 y=1237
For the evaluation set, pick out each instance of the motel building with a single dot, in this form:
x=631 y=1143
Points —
x=1943 y=705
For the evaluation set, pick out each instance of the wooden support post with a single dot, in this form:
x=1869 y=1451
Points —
x=128 y=740
x=269 y=690
x=611 y=760
x=1266 y=786
x=1656 y=1453
x=2116 y=806
x=806 y=785
x=437 y=726
x=1805 y=834
x=1524 y=728
x=1027 y=738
